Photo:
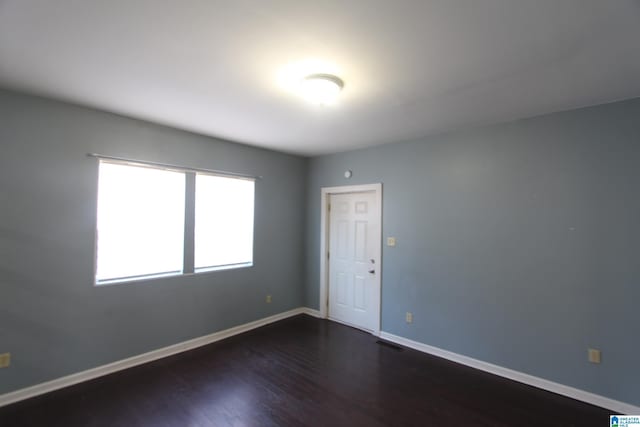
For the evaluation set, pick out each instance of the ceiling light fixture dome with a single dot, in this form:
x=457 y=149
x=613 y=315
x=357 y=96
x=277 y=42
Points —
x=321 y=89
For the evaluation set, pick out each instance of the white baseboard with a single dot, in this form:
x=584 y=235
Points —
x=38 y=389
x=312 y=312
x=604 y=402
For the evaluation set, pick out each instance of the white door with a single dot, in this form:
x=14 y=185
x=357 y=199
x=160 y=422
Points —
x=354 y=242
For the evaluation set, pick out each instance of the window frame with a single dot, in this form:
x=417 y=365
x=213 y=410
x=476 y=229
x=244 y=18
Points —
x=188 y=263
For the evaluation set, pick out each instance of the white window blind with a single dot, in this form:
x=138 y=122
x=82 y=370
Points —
x=140 y=221
x=223 y=221
x=143 y=211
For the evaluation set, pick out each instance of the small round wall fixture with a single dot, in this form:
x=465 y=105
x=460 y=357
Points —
x=321 y=89
x=348 y=174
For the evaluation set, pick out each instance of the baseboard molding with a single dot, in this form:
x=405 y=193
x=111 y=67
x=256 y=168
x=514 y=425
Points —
x=615 y=406
x=312 y=312
x=38 y=389
x=584 y=396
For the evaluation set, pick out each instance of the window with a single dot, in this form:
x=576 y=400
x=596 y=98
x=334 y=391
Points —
x=140 y=222
x=143 y=213
x=224 y=221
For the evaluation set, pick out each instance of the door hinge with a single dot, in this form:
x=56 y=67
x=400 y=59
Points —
x=328 y=255
x=329 y=207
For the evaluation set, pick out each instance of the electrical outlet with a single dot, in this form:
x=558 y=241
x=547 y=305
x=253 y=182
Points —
x=408 y=317
x=391 y=241
x=268 y=299
x=5 y=360
x=593 y=355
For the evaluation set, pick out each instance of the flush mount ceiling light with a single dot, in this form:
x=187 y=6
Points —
x=321 y=89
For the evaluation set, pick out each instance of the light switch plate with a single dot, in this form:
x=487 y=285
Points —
x=391 y=241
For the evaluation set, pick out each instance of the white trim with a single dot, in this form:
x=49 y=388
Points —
x=38 y=389
x=594 y=399
x=58 y=383
x=311 y=312
x=324 y=238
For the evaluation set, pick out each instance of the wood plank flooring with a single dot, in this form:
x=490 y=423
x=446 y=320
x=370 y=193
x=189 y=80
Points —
x=301 y=371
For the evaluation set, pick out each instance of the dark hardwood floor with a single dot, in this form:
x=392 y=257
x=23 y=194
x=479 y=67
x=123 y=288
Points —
x=301 y=372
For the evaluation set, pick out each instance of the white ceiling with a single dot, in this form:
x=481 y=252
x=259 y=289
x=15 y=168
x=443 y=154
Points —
x=411 y=68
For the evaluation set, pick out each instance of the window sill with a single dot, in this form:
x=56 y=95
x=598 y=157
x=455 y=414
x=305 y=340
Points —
x=153 y=277
x=222 y=267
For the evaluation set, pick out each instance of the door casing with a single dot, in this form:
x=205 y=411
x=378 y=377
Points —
x=324 y=247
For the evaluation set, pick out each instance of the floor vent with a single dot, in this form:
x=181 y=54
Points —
x=388 y=344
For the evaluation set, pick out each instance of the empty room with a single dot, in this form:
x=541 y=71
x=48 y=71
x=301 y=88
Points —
x=319 y=213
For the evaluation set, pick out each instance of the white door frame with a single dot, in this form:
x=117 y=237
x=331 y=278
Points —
x=324 y=244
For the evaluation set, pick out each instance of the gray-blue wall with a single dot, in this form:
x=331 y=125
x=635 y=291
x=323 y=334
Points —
x=52 y=319
x=517 y=244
